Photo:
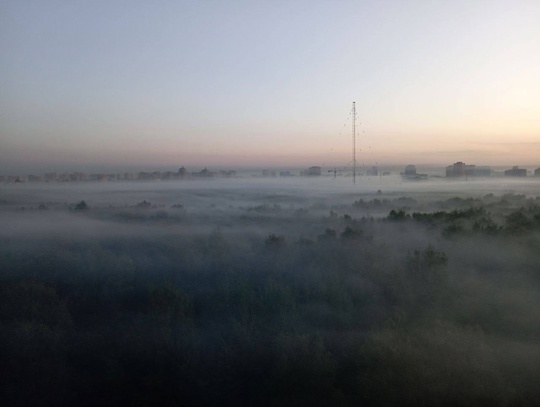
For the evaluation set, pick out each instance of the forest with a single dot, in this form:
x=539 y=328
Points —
x=270 y=293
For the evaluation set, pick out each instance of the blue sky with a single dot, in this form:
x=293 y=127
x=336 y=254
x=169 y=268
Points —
x=233 y=83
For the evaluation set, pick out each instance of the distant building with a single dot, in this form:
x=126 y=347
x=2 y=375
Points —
x=456 y=170
x=268 y=173
x=63 y=177
x=372 y=171
x=182 y=172
x=460 y=169
x=50 y=177
x=102 y=177
x=537 y=172
x=411 y=174
x=516 y=172
x=410 y=170
x=227 y=174
x=204 y=173
x=314 y=171
x=480 y=171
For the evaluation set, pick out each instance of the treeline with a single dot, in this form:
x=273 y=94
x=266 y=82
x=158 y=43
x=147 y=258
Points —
x=476 y=219
x=341 y=315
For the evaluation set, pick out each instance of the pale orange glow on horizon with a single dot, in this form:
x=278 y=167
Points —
x=435 y=84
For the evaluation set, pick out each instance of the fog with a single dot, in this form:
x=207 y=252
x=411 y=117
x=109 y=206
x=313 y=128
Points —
x=271 y=291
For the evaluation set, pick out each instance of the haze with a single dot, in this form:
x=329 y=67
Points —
x=289 y=291
x=114 y=83
x=182 y=222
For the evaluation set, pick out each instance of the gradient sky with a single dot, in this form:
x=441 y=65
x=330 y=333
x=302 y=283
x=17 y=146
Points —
x=248 y=83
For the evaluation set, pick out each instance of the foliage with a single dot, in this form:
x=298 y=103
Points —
x=274 y=241
x=371 y=311
x=144 y=205
x=351 y=234
x=397 y=215
x=81 y=206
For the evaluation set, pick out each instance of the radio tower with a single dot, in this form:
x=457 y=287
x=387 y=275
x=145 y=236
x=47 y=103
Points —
x=354 y=141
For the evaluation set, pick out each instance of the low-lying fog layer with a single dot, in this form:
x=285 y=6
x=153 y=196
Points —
x=290 y=291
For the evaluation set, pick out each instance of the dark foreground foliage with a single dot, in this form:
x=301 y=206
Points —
x=396 y=311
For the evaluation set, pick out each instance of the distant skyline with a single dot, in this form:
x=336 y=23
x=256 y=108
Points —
x=138 y=84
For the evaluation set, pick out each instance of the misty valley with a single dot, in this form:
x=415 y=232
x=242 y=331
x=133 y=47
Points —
x=271 y=292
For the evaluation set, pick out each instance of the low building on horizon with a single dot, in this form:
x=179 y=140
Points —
x=460 y=169
x=456 y=170
x=314 y=171
x=268 y=173
x=50 y=177
x=374 y=170
x=478 y=171
x=411 y=174
x=516 y=172
x=204 y=173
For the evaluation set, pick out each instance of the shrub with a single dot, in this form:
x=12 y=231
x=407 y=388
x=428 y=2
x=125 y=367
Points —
x=81 y=206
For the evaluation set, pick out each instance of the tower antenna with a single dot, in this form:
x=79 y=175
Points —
x=354 y=140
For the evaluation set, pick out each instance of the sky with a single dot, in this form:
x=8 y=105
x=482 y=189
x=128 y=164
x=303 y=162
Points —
x=268 y=83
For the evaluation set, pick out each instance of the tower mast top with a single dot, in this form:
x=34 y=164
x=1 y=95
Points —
x=354 y=140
